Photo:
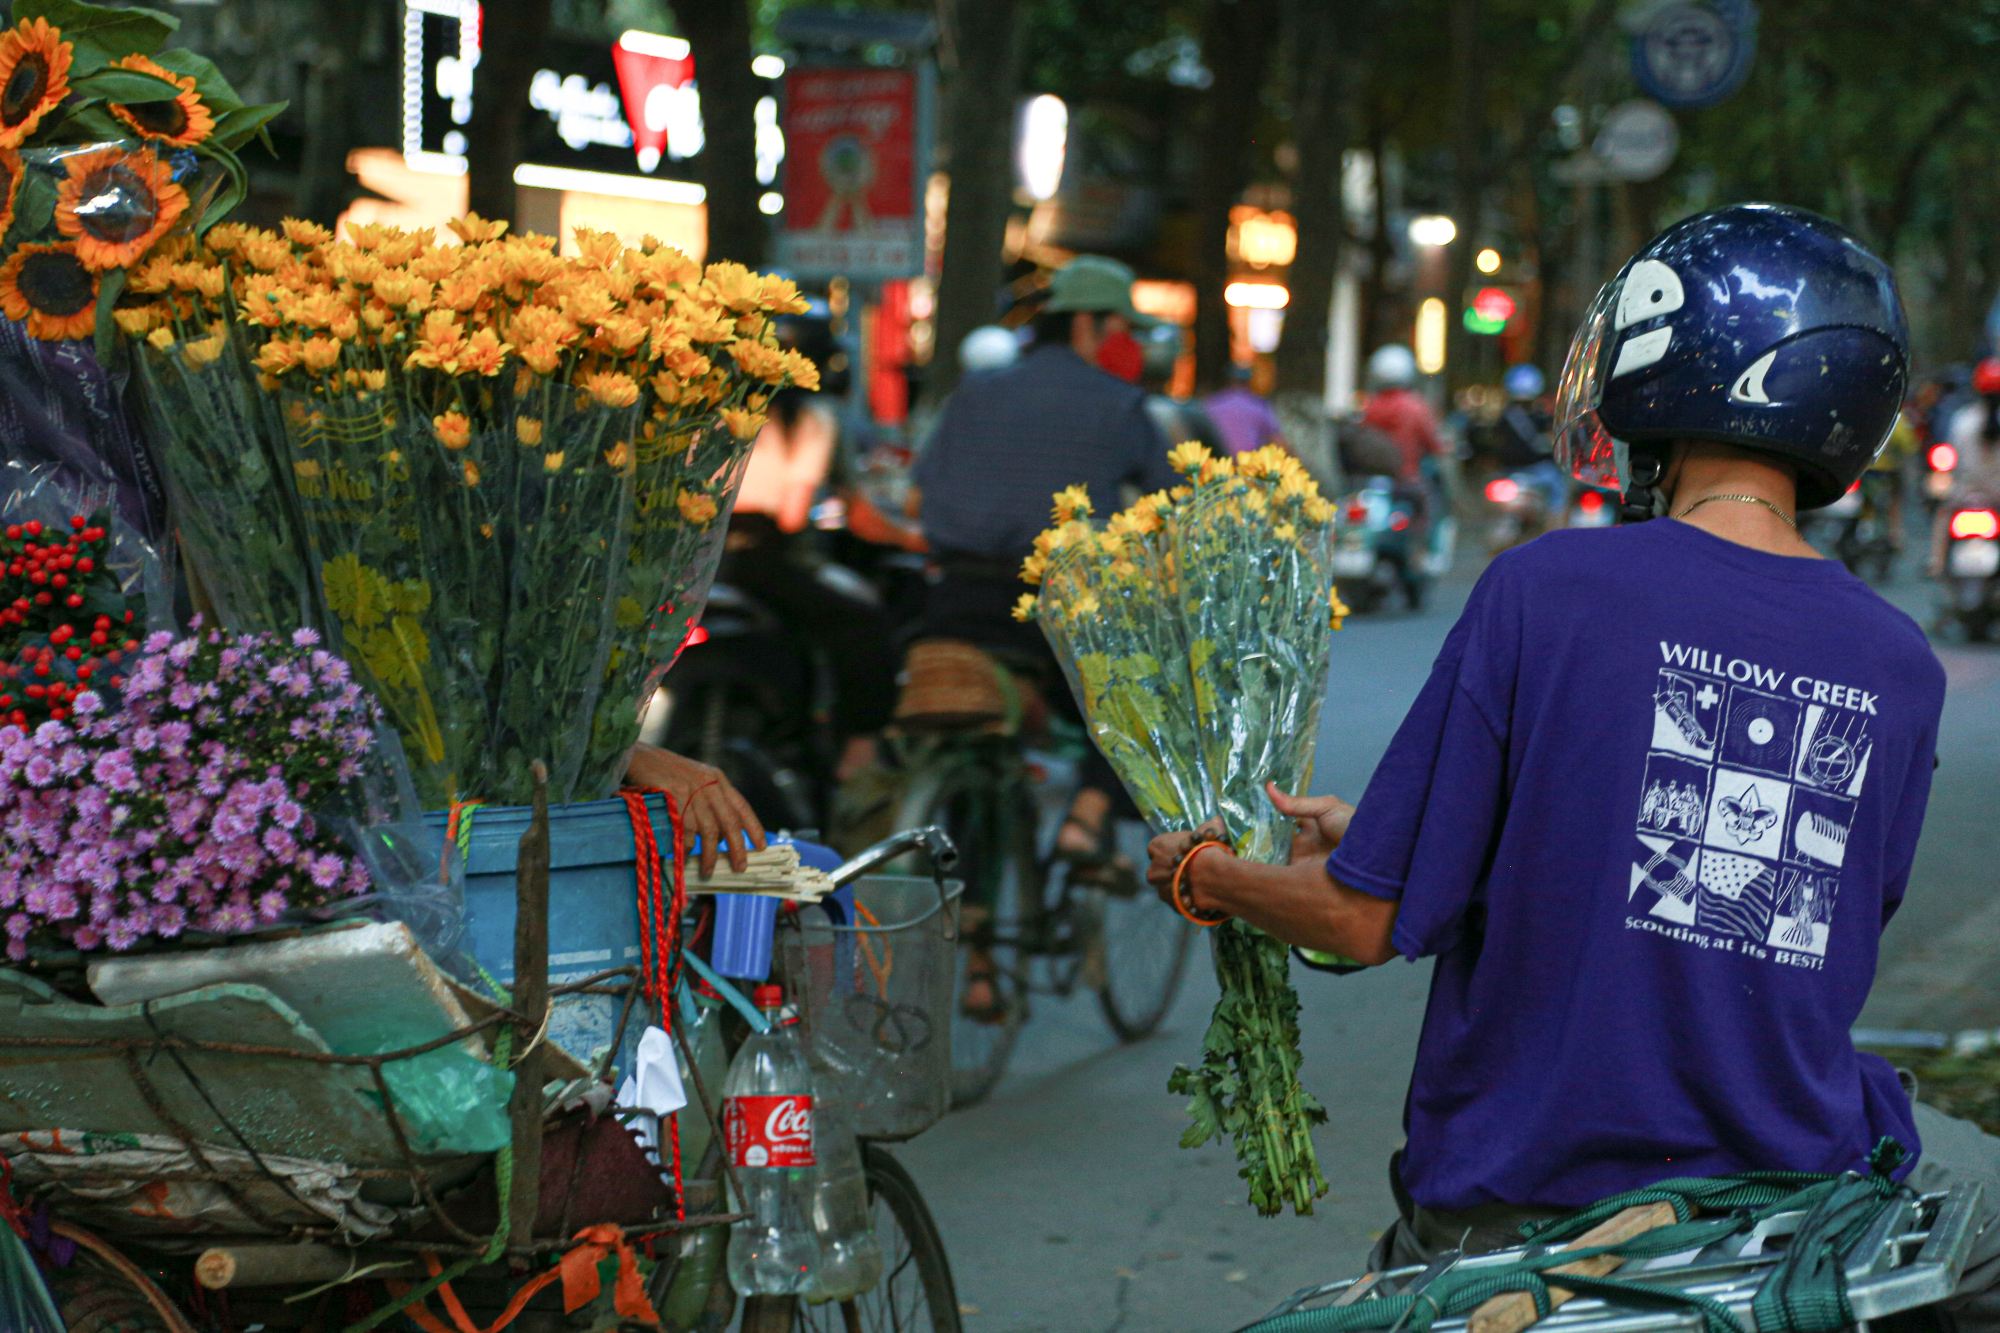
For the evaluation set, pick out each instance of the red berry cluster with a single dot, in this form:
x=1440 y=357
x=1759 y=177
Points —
x=65 y=622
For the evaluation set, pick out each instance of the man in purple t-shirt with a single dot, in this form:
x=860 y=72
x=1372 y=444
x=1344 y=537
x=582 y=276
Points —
x=1663 y=788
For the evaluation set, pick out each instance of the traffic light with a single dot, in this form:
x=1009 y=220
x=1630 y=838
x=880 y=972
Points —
x=1490 y=310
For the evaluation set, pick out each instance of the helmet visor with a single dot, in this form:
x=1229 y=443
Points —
x=1583 y=447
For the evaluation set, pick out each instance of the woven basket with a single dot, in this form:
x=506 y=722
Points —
x=949 y=685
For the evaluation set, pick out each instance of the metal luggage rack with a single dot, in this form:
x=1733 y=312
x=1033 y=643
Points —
x=1912 y=1256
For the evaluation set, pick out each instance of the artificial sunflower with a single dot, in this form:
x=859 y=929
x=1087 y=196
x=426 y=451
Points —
x=116 y=204
x=183 y=121
x=49 y=287
x=34 y=76
x=10 y=186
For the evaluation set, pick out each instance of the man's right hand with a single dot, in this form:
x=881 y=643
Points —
x=1321 y=822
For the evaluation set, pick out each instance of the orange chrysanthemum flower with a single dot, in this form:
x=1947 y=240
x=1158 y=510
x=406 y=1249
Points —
x=183 y=121
x=49 y=287
x=34 y=76
x=116 y=204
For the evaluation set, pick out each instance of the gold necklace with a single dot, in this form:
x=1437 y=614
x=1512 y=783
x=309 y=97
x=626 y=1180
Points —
x=1746 y=499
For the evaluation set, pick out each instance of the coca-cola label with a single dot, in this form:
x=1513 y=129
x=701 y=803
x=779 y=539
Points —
x=769 y=1131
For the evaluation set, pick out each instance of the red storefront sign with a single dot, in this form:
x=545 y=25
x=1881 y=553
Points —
x=850 y=183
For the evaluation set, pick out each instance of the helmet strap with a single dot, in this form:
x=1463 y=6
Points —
x=1642 y=499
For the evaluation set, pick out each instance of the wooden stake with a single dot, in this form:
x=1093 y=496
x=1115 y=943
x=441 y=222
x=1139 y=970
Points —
x=531 y=1001
x=1514 y=1311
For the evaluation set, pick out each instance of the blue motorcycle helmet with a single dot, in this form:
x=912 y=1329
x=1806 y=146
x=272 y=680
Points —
x=1756 y=325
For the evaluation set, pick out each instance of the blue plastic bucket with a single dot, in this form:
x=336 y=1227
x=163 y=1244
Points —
x=593 y=907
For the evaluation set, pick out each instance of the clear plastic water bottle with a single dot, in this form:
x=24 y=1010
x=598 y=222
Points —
x=768 y=1127
x=850 y=1259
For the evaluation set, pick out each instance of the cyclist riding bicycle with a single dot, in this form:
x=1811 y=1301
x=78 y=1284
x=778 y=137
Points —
x=1663 y=788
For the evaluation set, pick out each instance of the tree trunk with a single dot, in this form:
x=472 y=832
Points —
x=718 y=31
x=985 y=38
x=1319 y=130
x=1236 y=46
x=1468 y=149
x=325 y=187
x=508 y=55
x=1381 y=250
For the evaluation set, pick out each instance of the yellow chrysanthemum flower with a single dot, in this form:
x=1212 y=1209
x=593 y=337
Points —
x=1187 y=457
x=1024 y=608
x=1071 y=501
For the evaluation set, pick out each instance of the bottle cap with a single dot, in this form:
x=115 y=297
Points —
x=768 y=997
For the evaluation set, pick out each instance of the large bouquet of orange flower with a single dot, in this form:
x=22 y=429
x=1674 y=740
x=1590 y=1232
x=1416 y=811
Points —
x=103 y=134
x=506 y=471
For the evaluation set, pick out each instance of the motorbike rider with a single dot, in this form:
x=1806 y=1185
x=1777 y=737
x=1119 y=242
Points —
x=1396 y=409
x=1525 y=444
x=1004 y=444
x=1974 y=432
x=1243 y=415
x=1663 y=787
x=1178 y=418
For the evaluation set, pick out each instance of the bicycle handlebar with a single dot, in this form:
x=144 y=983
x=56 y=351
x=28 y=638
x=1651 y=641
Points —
x=933 y=839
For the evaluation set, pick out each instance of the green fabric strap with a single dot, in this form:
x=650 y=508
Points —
x=1806 y=1291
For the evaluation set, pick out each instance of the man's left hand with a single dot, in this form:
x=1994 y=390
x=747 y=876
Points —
x=711 y=809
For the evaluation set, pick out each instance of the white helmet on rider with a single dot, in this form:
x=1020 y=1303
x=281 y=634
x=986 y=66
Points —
x=988 y=347
x=1393 y=366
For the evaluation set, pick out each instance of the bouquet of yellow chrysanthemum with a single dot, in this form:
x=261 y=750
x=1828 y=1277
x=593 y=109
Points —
x=1194 y=628
x=508 y=470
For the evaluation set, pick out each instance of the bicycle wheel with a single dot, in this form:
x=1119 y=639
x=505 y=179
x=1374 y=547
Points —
x=996 y=860
x=1145 y=947
x=915 y=1292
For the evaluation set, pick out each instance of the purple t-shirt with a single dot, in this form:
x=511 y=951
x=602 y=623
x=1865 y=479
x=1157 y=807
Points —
x=1650 y=812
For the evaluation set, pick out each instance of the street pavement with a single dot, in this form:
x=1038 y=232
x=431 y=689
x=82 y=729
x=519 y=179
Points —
x=1065 y=1200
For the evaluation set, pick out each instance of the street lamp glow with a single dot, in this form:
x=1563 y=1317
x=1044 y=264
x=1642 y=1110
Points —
x=1430 y=336
x=1488 y=261
x=768 y=67
x=1256 y=295
x=1433 y=229
x=771 y=203
x=1044 y=143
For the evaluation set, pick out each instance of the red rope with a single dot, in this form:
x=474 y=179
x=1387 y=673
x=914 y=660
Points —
x=660 y=913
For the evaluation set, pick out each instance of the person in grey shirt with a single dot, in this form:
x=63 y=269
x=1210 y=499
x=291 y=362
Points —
x=1005 y=443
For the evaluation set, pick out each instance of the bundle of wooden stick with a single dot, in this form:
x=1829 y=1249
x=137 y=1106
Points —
x=773 y=869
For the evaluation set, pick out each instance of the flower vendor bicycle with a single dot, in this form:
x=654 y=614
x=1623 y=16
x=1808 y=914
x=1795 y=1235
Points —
x=1041 y=931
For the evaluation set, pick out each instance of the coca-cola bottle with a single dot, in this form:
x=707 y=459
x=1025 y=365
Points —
x=850 y=1259
x=768 y=1127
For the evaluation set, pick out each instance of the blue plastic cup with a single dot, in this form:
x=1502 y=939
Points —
x=744 y=925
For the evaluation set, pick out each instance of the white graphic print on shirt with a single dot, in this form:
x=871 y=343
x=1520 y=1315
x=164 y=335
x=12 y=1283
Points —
x=1752 y=777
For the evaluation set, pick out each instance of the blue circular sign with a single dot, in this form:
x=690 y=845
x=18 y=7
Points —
x=1694 y=55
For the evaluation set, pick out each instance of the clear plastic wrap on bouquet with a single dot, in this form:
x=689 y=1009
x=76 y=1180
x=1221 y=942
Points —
x=685 y=487
x=218 y=437
x=468 y=572
x=1126 y=661
x=1251 y=574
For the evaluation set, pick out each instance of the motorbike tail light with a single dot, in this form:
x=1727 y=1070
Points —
x=1975 y=523
x=1590 y=502
x=1357 y=512
x=1943 y=458
x=1855 y=487
x=1502 y=490
x=1397 y=522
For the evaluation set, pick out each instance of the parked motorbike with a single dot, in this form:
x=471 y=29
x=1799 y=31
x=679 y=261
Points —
x=1971 y=576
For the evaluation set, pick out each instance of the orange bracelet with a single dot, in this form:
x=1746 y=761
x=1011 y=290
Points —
x=1182 y=904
